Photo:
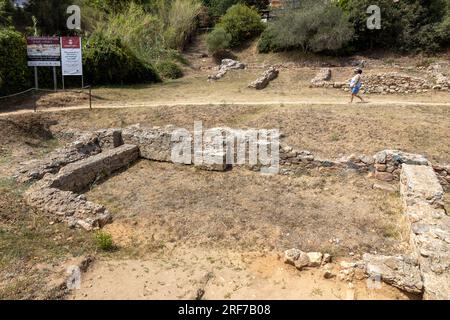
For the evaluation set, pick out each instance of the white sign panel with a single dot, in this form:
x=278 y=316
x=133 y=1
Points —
x=71 y=58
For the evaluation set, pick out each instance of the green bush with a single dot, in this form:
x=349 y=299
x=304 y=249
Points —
x=169 y=70
x=109 y=61
x=314 y=27
x=218 y=40
x=266 y=43
x=220 y=7
x=409 y=25
x=13 y=62
x=104 y=241
x=242 y=23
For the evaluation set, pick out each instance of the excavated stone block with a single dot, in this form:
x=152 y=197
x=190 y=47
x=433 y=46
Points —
x=399 y=271
x=85 y=146
x=420 y=184
x=154 y=143
x=109 y=138
x=423 y=198
x=79 y=175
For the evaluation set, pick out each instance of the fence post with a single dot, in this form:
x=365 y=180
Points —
x=35 y=100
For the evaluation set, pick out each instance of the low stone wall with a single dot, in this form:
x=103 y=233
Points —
x=384 y=166
x=423 y=198
x=55 y=193
x=97 y=154
x=86 y=144
x=390 y=83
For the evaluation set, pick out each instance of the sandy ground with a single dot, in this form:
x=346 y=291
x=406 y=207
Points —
x=192 y=273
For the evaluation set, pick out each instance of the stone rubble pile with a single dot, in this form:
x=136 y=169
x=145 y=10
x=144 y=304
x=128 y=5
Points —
x=225 y=66
x=263 y=81
x=322 y=75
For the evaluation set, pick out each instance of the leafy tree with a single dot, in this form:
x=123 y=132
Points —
x=6 y=13
x=13 y=62
x=51 y=15
x=405 y=25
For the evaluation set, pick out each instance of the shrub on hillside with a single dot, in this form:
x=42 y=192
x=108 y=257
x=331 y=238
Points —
x=266 y=42
x=409 y=25
x=314 y=27
x=220 y=7
x=218 y=40
x=109 y=61
x=242 y=23
x=13 y=62
x=169 y=70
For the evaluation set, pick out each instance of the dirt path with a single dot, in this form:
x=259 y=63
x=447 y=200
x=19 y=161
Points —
x=372 y=103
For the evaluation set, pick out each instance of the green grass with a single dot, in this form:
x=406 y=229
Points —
x=104 y=241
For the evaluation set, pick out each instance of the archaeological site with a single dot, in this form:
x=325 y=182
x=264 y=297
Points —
x=208 y=152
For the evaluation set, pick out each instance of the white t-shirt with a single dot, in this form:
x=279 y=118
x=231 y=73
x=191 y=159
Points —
x=355 y=80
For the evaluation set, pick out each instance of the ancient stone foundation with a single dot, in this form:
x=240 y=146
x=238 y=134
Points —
x=56 y=194
x=423 y=199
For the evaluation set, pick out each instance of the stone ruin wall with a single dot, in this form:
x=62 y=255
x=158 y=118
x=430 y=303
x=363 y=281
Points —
x=386 y=83
x=68 y=171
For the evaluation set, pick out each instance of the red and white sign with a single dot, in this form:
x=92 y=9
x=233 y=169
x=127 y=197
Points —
x=43 y=52
x=71 y=57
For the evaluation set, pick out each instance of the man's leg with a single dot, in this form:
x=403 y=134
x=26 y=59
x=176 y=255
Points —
x=351 y=99
x=360 y=98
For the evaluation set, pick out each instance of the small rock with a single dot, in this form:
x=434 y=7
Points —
x=291 y=255
x=315 y=259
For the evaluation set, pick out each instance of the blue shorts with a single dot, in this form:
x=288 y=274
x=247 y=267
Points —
x=356 y=89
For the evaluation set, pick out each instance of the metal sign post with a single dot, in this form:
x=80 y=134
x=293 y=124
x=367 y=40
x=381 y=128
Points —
x=55 y=81
x=36 y=80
